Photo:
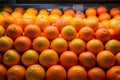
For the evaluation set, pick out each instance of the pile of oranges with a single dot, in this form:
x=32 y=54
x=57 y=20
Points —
x=60 y=45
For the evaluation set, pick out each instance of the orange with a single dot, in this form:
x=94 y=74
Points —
x=104 y=16
x=16 y=15
x=95 y=46
x=2 y=30
x=68 y=59
x=56 y=10
x=53 y=18
x=96 y=73
x=114 y=11
x=40 y=43
x=117 y=56
x=59 y=45
x=35 y=72
x=16 y=72
x=117 y=17
x=11 y=57
x=77 y=73
x=78 y=23
x=69 y=11
x=62 y=22
x=48 y=58
x=77 y=45
x=68 y=17
x=103 y=34
x=101 y=9
x=8 y=9
x=29 y=57
x=19 y=9
x=113 y=23
x=3 y=72
x=13 y=31
x=117 y=32
x=80 y=15
x=5 y=43
x=1 y=18
x=68 y=32
x=86 y=33
x=22 y=43
x=32 y=10
x=112 y=33
x=32 y=31
x=44 y=12
x=93 y=17
x=113 y=73
x=90 y=11
x=101 y=25
x=113 y=45
x=106 y=23
x=56 y=72
x=105 y=59
x=5 y=14
x=87 y=59
x=29 y=15
x=51 y=32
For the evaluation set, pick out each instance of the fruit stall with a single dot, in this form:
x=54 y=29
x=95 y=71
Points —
x=59 y=39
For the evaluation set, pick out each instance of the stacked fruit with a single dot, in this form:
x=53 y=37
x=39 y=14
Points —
x=60 y=45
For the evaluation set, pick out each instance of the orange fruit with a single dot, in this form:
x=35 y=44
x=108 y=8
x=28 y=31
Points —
x=80 y=15
x=105 y=59
x=95 y=46
x=93 y=17
x=101 y=9
x=40 y=43
x=68 y=59
x=3 y=72
x=56 y=72
x=77 y=73
x=13 y=31
x=8 y=9
x=117 y=57
x=11 y=57
x=101 y=25
x=113 y=45
x=96 y=73
x=112 y=33
x=44 y=12
x=16 y=15
x=113 y=73
x=56 y=10
x=29 y=57
x=114 y=11
x=78 y=23
x=62 y=22
x=51 y=32
x=68 y=32
x=32 y=31
x=113 y=23
x=117 y=32
x=22 y=43
x=16 y=72
x=29 y=15
x=106 y=23
x=2 y=30
x=117 y=17
x=69 y=11
x=53 y=18
x=87 y=59
x=103 y=34
x=5 y=43
x=104 y=16
x=90 y=11
x=77 y=45
x=32 y=10
x=35 y=72
x=59 y=45
x=1 y=18
x=68 y=17
x=48 y=58
x=5 y=14
x=86 y=33
x=19 y=9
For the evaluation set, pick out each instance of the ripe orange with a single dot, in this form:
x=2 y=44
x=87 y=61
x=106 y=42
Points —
x=112 y=33
x=68 y=59
x=113 y=45
x=101 y=25
x=93 y=17
x=29 y=57
x=16 y=15
x=32 y=31
x=77 y=73
x=114 y=11
x=106 y=23
x=104 y=16
x=5 y=14
x=5 y=43
x=101 y=9
x=80 y=15
x=56 y=72
x=86 y=33
x=105 y=59
x=19 y=9
x=2 y=30
x=90 y=11
x=8 y=9
x=29 y=15
x=56 y=10
x=68 y=17
x=69 y=11
x=113 y=23
x=32 y=10
x=16 y=72
x=117 y=32
x=40 y=43
x=117 y=57
x=103 y=34
x=51 y=32
x=22 y=43
x=13 y=31
x=77 y=45
x=95 y=46
x=53 y=18
x=59 y=45
x=68 y=32
x=35 y=72
x=48 y=58
x=113 y=73
x=87 y=59
x=11 y=57
x=1 y=18
x=44 y=12
x=117 y=17
x=96 y=73
x=3 y=72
